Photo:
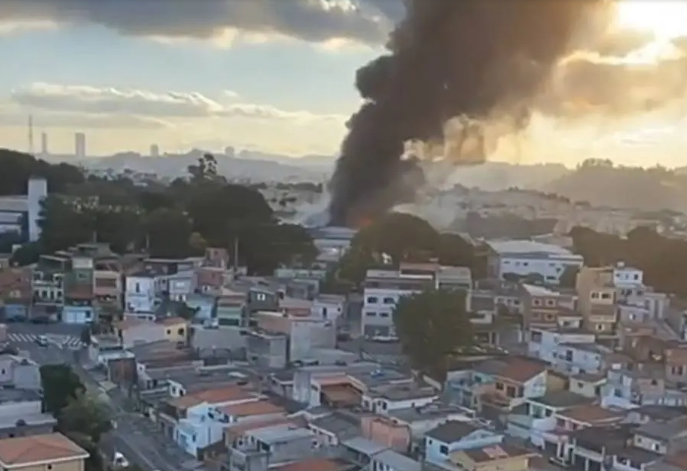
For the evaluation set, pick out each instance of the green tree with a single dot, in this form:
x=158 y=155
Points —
x=568 y=278
x=432 y=326
x=87 y=415
x=168 y=232
x=60 y=386
x=85 y=335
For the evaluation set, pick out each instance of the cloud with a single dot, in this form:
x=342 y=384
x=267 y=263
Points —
x=146 y=104
x=320 y=21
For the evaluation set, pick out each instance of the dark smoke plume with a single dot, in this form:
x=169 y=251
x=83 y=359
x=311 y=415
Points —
x=447 y=59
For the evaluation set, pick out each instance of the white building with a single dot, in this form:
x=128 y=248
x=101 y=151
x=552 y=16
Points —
x=140 y=294
x=525 y=257
x=328 y=306
x=384 y=288
x=13 y=208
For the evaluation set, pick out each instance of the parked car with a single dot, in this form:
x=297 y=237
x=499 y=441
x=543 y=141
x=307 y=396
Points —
x=42 y=340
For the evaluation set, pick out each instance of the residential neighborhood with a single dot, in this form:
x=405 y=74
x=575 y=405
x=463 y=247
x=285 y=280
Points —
x=225 y=371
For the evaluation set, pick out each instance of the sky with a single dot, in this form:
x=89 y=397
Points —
x=276 y=76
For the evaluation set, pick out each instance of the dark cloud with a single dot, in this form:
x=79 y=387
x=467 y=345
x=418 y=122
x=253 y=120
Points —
x=365 y=21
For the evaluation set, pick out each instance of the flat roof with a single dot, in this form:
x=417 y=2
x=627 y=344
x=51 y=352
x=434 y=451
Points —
x=525 y=247
x=280 y=433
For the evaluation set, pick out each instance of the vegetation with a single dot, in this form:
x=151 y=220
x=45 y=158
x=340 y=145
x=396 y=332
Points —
x=660 y=258
x=432 y=327
x=400 y=237
x=177 y=220
x=79 y=415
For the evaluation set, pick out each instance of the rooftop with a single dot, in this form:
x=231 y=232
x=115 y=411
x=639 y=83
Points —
x=522 y=247
x=562 y=399
x=280 y=433
x=211 y=396
x=396 y=461
x=534 y=290
x=38 y=449
x=452 y=431
x=247 y=409
x=315 y=464
x=364 y=446
x=590 y=414
x=19 y=395
x=663 y=430
x=516 y=369
x=341 y=425
x=495 y=452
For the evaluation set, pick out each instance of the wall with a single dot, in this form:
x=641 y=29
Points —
x=37 y=190
x=140 y=294
x=76 y=465
x=77 y=314
x=477 y=439
x=385 y=432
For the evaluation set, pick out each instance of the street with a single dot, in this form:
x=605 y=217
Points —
x=133 y=435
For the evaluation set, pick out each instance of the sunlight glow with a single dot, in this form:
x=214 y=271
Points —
x=664 y=19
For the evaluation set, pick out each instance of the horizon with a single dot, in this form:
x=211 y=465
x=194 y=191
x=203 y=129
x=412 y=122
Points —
x=266 y=80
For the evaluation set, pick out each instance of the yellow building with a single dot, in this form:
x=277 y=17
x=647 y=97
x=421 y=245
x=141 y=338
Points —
x=53 y=452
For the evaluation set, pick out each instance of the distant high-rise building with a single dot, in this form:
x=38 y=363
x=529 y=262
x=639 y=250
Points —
x=80 y=145
x=31 y=149
x=229 y=151
x=44 y=144
x=155 y=150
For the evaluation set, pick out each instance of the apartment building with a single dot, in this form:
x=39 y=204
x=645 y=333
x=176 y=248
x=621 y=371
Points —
x=384 y=288
x=526 y=258
x=601 y=289
x=546 y=308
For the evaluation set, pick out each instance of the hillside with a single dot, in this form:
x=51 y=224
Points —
x=602 y=184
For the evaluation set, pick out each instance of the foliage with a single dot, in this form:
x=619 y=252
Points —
x=177 y=220
x=60 y=385
x=87 y=415
x=399 y=237
x=661 y=259
x=568 y=278
x=432 y=326
x=85 y=335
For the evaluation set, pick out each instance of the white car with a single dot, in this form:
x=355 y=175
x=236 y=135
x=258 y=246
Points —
x=119 y=461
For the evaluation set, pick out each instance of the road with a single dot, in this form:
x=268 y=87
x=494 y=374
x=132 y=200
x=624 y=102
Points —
x=134 y=436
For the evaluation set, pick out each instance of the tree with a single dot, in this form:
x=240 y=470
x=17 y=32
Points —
x=432 y=326
x=85 y=335
x=197 y=243
x=60 y=386
x=169 y=232
x=86 y=415
x=568 y=278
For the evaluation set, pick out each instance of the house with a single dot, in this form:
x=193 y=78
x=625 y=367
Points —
x=176 y=286
x=599 y=290
x=524 y=257
x=184 y=418
x=106 y=347
x=452 y=436
x=587 y=384
x=591 y=448
x=133 y=332
x=537 y=417
x=385 y=398
x=140 y=293
x=231 y=307
x=282 y=443
x=329 y=306
x=504 y=383
x=542 y=307
x=501 y=456
x=664 y=438
x=49 y=451
x=21 y=413
x=545 y=343
x=628 y=388
x=416 y=422
x=19 y=373
x=390 y=460
x=15 y=291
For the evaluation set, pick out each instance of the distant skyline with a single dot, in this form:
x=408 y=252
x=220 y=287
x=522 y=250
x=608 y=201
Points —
x=263 y=75
x=278 y=76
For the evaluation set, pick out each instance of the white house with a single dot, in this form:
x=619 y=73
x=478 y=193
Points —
x=13 y=208
x=526 y=257
x=545 y=344
x=453 y=436
x=140 y=292
x=178 y=285
x=328 y=306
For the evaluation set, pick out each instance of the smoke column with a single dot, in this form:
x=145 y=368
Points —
x=465 y=59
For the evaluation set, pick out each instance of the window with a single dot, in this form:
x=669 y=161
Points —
x=511 y=391
x=388 y=300
x=383 y=314
x=536 y=302
x=599 y=327
x=655 y=446
x=49 y=466
x=499 y=386
x=443 y=449
x=260 y=297
x=181 y=331
x=536 y=336
x=137 y=288
x=169 y=331
x=595 y=295
x=372 y=299
x=370 y=314
x=606 y=296
x=550 y=302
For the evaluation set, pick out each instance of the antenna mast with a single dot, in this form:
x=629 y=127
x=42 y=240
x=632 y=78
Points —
x=31 y=148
